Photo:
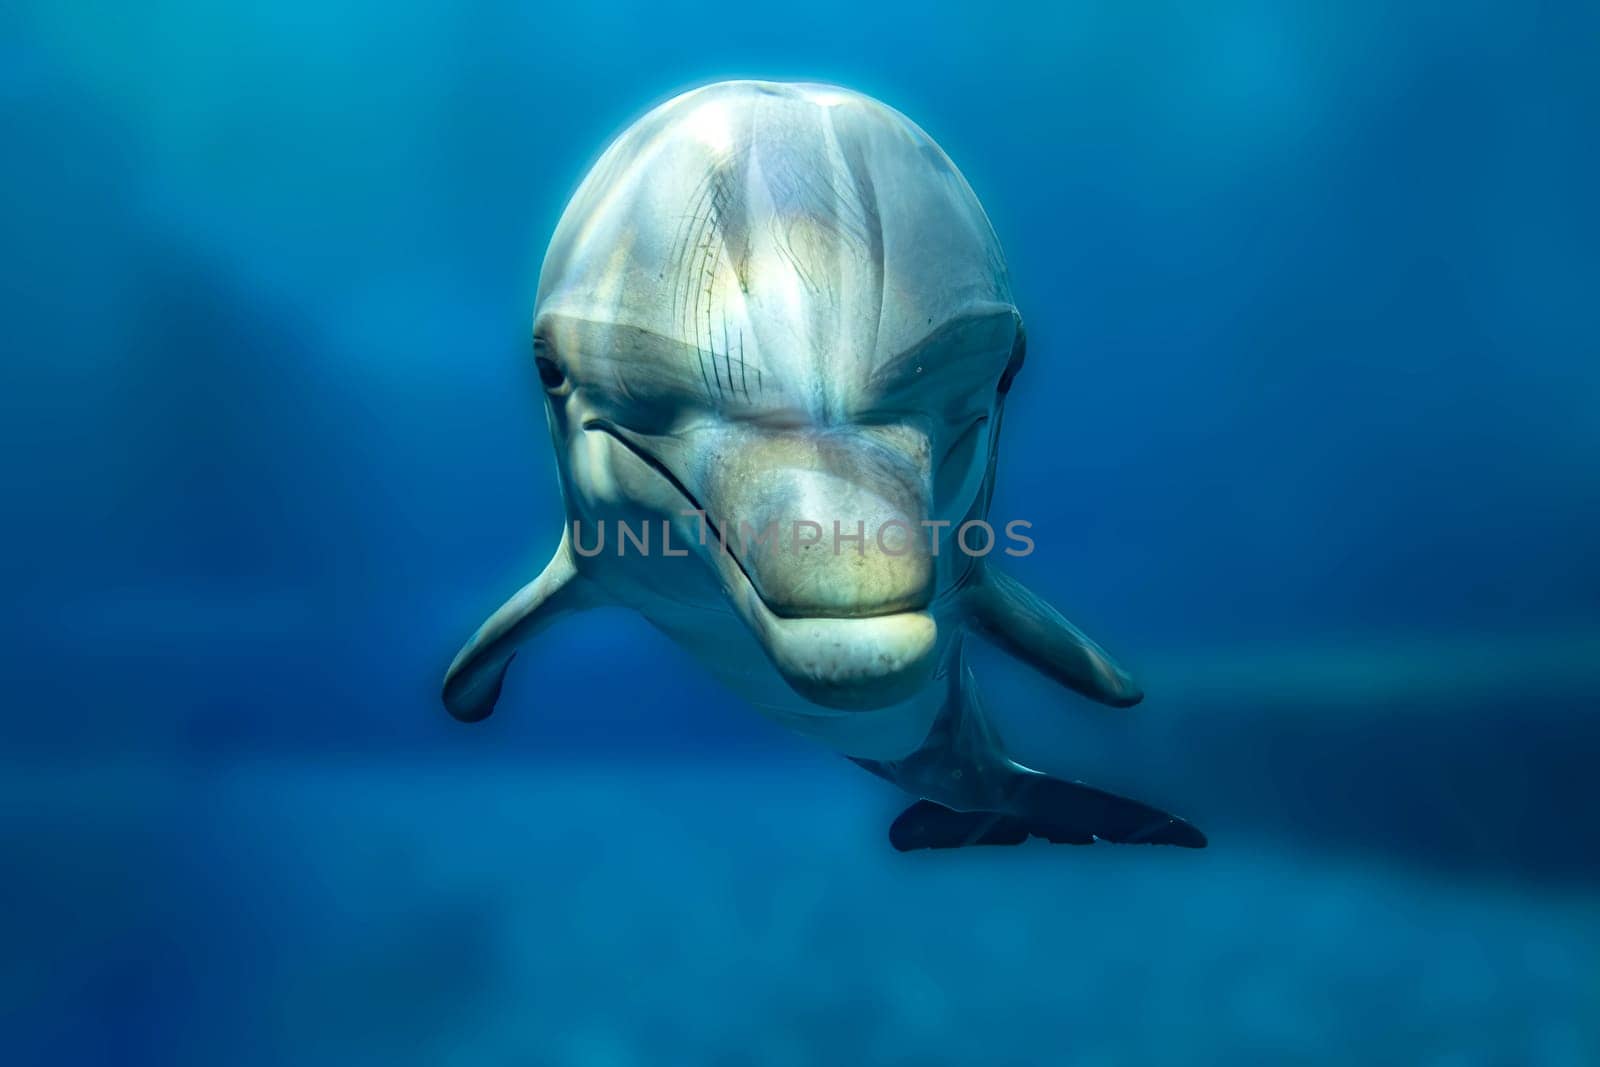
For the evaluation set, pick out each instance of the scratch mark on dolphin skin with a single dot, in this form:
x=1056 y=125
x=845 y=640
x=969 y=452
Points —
x=824 y=213
x=727 y=355
x=681 y=244
x=698 y=289
x=683 y=250
x=713 y=228
x=705 y=286
x=871 y=222
x=742 y=380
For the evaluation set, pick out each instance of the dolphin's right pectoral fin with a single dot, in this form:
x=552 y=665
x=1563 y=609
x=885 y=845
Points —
x=472 y=684
x=1019 y=621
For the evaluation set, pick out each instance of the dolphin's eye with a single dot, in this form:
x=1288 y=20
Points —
x=551 y=376
x=1019 y=352
x=549 y=373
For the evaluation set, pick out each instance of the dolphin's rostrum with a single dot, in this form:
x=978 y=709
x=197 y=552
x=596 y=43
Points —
x=780 y=304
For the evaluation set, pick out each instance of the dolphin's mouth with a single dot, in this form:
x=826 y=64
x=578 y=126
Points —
x=728 y=547
x=847 y=661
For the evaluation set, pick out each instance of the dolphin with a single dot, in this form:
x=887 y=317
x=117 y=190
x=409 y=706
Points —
x=775 y=334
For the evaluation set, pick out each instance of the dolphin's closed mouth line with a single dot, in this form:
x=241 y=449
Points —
x=672 y=479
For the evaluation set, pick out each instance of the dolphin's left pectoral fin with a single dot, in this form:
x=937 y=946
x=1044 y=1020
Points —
x=472 y=684
x=1018 y=621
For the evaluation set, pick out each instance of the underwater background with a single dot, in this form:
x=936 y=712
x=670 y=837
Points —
x=1309 y=433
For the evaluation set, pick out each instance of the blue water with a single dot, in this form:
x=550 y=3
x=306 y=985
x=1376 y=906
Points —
x=1309 y=433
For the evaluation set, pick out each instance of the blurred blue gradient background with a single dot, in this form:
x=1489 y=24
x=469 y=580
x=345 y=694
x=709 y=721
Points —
x=1309 y=433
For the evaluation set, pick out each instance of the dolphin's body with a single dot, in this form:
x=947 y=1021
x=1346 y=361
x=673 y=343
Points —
x=775 y=305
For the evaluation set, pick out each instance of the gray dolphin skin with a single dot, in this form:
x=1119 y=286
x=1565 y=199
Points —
x=776 y=311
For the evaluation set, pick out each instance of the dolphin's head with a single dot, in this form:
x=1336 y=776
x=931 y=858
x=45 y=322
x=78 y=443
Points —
x=782 y=308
